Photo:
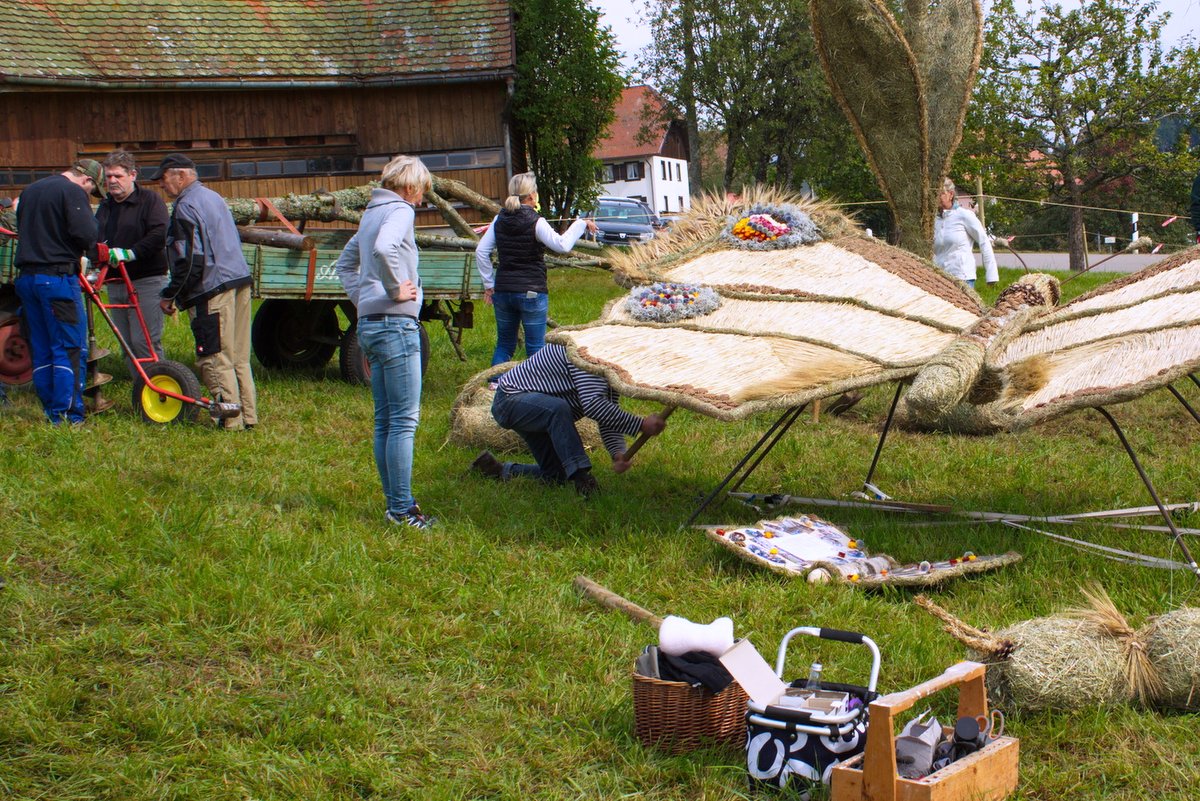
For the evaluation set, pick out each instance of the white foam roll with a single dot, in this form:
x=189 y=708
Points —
x=679 y=635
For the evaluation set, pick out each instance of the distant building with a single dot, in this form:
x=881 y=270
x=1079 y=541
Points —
x=644 y=155
x=266 y=98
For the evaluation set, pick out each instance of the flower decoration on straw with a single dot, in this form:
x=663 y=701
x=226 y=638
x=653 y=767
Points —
x=770 y=227
x=669 y=303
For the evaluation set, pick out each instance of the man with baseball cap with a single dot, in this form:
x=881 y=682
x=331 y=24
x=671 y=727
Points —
x=57 y=229
x=210 y=278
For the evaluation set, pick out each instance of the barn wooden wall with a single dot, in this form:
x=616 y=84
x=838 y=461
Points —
x=50 y=129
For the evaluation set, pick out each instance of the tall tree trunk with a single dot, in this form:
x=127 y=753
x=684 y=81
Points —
x=1076 y=232
x=695 y=172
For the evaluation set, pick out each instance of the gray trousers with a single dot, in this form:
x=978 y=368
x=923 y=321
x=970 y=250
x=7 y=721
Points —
x=148 y=291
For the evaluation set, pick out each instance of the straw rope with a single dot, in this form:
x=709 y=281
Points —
x=889 y=340
x=977 y=639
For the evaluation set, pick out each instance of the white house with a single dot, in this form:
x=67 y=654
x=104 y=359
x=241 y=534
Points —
x=645 y=157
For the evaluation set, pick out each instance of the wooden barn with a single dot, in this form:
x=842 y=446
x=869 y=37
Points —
x=266 y=97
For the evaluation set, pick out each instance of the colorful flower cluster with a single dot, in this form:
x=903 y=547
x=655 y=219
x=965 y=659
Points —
x=771 y=227
x=668 y=303
x=760 y=228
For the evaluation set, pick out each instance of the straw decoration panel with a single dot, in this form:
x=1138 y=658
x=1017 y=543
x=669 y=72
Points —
x=1178 y=271
x=823 y=270
x=894 y=341
x=712 y=373
x=1115 y=370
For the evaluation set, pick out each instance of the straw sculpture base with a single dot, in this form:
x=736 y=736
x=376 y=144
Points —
x=472 y=424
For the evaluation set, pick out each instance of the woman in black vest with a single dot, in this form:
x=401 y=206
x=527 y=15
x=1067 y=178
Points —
x=516 y=289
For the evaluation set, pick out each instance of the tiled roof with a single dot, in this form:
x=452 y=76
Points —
x=184 y=41
x=637 y=106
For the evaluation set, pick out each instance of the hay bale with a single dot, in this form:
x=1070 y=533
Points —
x=1059 y=663
x=472 y=424
x=1173 y=645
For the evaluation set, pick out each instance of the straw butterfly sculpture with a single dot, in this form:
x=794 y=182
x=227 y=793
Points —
x=849 y=311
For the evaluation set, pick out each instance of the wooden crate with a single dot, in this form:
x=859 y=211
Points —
x=986 y=775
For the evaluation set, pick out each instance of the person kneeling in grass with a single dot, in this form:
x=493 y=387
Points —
x=540 y=399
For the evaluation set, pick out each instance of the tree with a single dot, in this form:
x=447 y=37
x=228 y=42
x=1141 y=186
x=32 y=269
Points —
x=1068 y=102
x=566 y=88
x=749 y=72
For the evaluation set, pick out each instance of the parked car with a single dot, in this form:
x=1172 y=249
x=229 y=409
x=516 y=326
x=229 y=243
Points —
x=623 y=221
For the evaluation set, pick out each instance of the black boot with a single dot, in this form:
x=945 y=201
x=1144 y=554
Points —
x=585 y=482
x=488 y=466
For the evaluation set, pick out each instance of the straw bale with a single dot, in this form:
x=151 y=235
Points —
x=1176 y=271
x=889 y=340
x=1059 y=663
x=1173 y=645
x=472 y=424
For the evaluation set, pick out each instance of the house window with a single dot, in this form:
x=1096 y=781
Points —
x=633 y=171
x=681 y=202
x=665 y=168
x=610 y=174
x=678 y=172
x=666 y=204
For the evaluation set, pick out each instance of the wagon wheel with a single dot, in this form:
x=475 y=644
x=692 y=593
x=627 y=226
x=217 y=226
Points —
x=353 y=362
x=163 y=409
x=294 y=334
x=16 y=362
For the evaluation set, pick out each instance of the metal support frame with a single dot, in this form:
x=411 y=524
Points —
x=1166 y=516
x=781 y=426
x=778 y=429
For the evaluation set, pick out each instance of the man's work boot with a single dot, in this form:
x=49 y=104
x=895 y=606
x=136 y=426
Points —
x=585 y=483
x=488 y=466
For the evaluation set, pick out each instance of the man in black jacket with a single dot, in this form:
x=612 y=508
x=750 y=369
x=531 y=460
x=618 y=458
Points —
x=54 y=218
x=133 y=223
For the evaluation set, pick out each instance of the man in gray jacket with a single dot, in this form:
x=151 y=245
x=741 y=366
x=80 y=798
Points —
x=210 y=278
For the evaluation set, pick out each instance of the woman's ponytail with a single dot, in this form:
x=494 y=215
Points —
x=521 y=185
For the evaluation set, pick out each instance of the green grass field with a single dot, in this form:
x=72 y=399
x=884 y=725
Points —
x=197 y=615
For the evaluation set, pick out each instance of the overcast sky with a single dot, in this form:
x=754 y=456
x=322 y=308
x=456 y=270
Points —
x=622 y=16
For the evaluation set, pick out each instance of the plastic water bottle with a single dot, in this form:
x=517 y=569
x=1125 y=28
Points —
x=814 y=677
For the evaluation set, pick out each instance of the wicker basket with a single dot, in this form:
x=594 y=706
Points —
x=677 y=717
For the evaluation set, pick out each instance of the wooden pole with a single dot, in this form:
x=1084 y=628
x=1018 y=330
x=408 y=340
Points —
x=644 y=438
x=276 y=239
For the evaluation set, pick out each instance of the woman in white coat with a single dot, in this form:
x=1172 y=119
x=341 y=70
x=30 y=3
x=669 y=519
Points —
x=955 y=231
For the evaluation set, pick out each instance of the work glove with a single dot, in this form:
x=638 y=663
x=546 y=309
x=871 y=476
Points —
x=116 y=255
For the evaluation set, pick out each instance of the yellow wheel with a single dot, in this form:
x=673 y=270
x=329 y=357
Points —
x=155 y=407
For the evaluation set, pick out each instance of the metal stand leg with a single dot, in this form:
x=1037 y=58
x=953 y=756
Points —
x=1186 y=405
x=883 y=436
x=1166 y=516
x=777 y=430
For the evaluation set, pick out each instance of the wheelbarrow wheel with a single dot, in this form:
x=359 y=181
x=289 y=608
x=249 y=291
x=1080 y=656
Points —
x=163 y=409
x=16 y=362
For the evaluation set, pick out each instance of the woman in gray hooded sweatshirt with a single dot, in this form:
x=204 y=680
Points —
x=378 y=269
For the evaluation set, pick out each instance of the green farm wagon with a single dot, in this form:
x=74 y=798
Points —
x=304 y=316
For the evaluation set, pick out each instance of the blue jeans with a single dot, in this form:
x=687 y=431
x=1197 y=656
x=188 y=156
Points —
x=53 y=308
x=547 y=425
x=393 y=350
x=519 y=309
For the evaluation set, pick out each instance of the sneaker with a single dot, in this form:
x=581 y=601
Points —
x=413 y=517
x=488 y=466
x=585 y=483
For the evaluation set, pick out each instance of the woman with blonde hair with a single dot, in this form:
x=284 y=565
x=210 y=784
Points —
x=955 y=229
x=516 y=289
x=378 y=269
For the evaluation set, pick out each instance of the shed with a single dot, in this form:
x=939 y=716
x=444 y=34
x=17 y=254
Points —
x=266 y=98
